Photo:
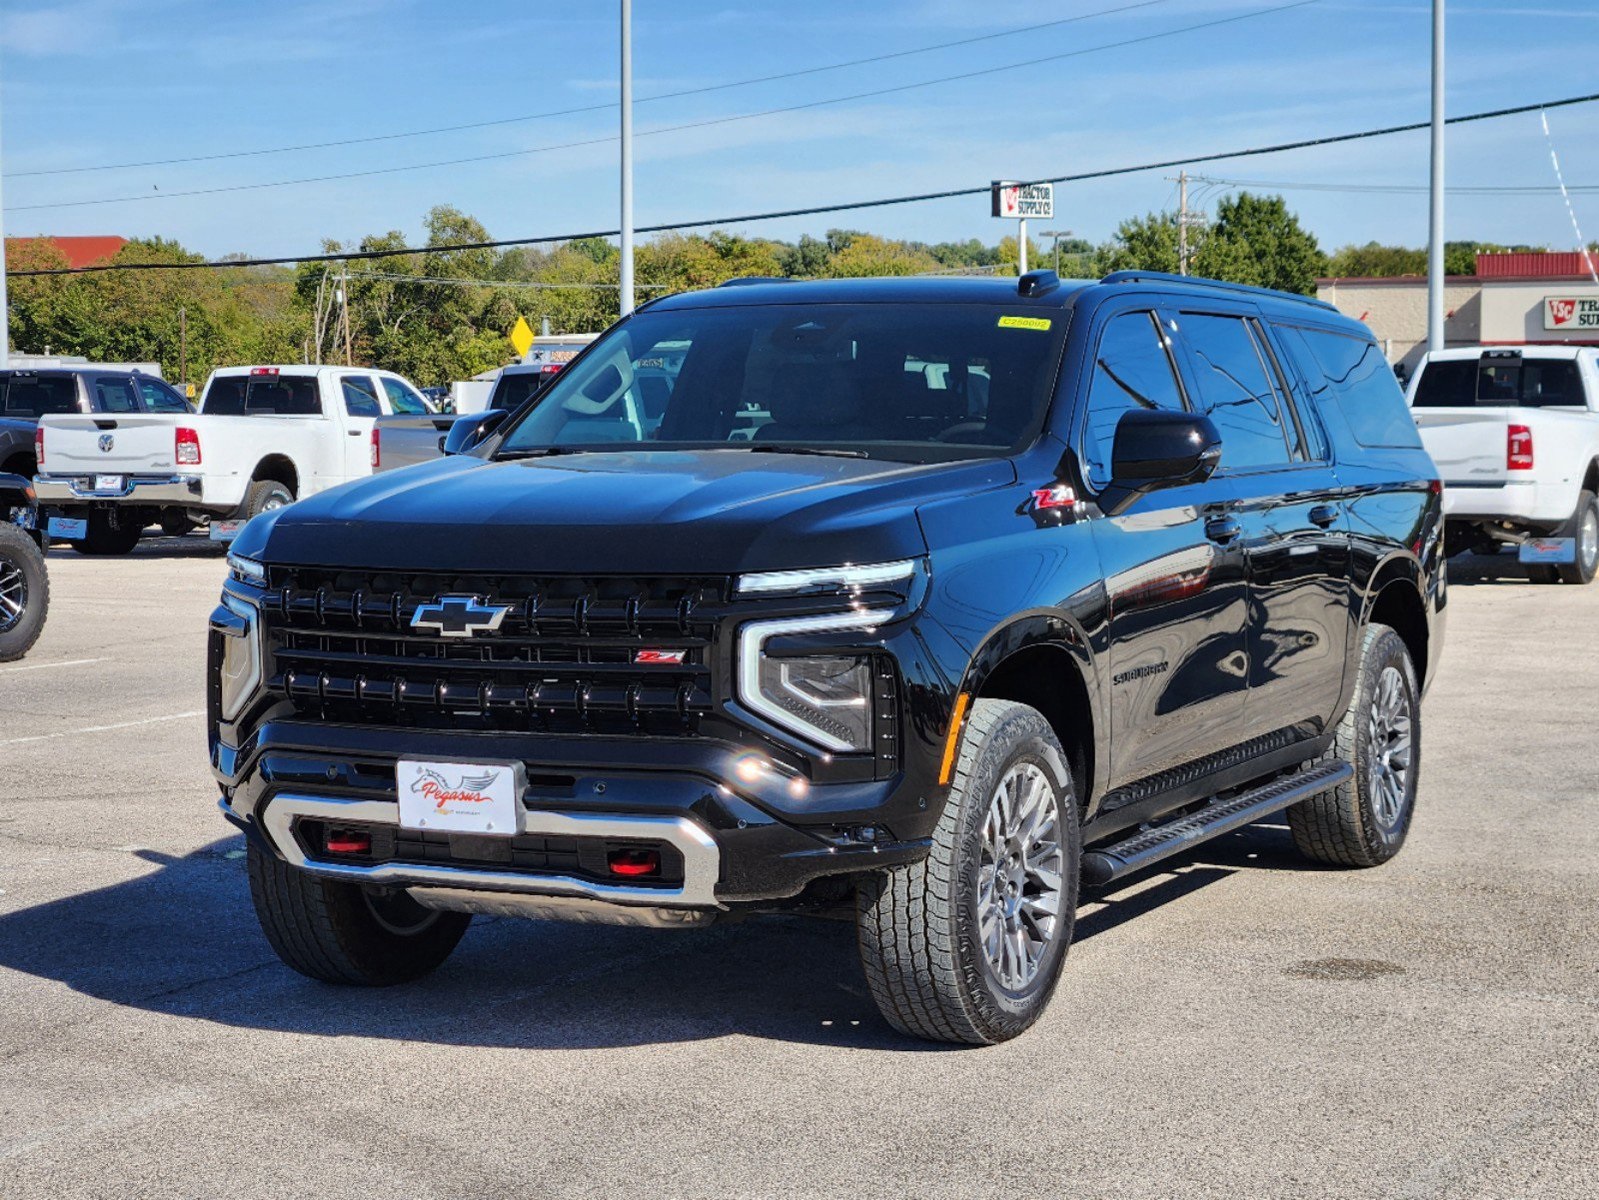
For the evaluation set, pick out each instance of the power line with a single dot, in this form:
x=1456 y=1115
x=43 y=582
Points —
x=850 y=206
x=1391 y=188
x=589 y=108
x=704 y=124
x=401 y=277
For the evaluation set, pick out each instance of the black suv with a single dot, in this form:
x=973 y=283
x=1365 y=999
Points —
x=931 y=600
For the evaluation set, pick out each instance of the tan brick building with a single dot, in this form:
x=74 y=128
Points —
x=1512 y=300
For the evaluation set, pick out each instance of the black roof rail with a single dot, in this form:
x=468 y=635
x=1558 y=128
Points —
x=1036 y=283
x=750 y=280
x=1135 y=276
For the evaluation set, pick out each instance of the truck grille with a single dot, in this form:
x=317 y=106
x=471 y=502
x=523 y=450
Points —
x=565 y=658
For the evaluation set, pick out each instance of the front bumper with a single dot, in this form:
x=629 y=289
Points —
x=739 y=843
x=136 y=489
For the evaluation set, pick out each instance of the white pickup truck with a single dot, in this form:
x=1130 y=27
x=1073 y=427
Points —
x=263 y=438
x=1515 y=435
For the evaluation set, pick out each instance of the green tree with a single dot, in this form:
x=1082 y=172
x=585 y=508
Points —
x=1376 y=261
x=1256 y=240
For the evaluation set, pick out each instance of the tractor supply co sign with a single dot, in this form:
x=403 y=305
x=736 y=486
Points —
x=1019 y=201
x=1569 y=314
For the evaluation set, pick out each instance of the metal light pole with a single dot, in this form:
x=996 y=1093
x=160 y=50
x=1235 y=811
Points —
x=5 y=313
x=1056 y=234
x=627 y=157
x=1435 y=226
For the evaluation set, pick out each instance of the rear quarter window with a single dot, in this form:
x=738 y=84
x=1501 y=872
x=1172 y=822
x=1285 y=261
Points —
x=1351 y=375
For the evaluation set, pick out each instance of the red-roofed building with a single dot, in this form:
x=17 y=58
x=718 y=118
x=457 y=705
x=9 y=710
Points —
x=78 y=251
x=1514 y=299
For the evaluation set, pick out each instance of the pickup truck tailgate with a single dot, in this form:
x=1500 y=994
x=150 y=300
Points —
x=1468 y=445
x=120 y=443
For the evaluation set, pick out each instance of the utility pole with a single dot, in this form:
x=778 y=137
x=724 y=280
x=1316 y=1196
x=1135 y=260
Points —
x=627 y=158
x=1435 y=223
x=1182 y=222
x=1021 y=246
x=183 y=347
x=344 y=298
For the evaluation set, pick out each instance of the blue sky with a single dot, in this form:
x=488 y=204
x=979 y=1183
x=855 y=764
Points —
x=88 y=82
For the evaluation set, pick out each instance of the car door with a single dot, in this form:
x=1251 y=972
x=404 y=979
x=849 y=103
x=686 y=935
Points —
x=1292 y=527
x=361 y=408
x=1173 y=570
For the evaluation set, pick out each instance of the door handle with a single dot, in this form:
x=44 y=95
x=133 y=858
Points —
x=1222 y=530
x=1324 y=515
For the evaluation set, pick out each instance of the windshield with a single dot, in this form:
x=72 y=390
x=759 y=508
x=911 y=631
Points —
x=918 y=383
x=1509 y=381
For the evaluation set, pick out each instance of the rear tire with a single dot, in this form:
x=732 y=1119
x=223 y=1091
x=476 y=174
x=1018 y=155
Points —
x=1364 y=822
x=105 y=538
x=265 y=495
x=24 y=592
x=1583 y=528
x=348 y=934
x=967 y=945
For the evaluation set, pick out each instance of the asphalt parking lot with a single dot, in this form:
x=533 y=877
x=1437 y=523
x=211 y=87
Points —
x=1238 y=1024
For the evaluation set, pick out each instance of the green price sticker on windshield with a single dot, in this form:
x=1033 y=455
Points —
x=1024 y=323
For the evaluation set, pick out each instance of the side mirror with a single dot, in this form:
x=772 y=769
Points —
x=468 y=432
x=1154 y=450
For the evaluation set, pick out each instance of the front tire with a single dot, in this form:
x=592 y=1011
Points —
x=1364 y=823
x=345 y=933
x=24 y=592
x=967 y=945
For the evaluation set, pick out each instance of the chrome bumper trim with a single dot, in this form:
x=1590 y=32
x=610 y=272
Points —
x=701 y=858
x=172 y=489
x=578 y=909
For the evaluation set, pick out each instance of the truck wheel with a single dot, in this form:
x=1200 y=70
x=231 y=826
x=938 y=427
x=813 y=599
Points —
x=24 y=593
x=967 y=945
x=105 y=538
x=1363 y=823
x=1583 y=528
x=265 y=495
x=345 y=933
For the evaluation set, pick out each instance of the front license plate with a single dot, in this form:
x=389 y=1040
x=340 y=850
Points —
x=109 y=483
x=457 y=797
x=1548 y=550
x=225 y=531
x=68 y=529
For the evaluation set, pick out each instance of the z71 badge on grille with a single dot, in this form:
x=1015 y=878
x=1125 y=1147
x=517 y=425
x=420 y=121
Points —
x=459 y=616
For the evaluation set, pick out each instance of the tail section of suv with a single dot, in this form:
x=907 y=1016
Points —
x=933 y=601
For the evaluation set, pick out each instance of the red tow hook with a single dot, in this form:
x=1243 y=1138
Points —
x=634 y=863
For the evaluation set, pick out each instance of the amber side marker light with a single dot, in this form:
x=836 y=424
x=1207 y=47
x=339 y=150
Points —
x=956 y=720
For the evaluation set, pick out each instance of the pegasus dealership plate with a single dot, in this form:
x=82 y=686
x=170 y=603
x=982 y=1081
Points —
x=457 y=797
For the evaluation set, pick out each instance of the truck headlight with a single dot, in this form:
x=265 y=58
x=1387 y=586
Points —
x=827 y=698
x=246 y=570
x=239 y=671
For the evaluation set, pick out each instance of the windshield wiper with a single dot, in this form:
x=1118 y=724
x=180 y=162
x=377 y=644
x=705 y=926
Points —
x=820 y=450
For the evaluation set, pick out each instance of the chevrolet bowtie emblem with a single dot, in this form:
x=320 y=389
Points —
x=459 y=616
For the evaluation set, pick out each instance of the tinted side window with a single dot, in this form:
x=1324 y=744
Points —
x=1132 y=370
x=158 y=397
x=225 y=396
x=114 y=394
x=360 y=397
x=35 y=395
x=1301 y=376
x=403 y=400
x=1236 y=392
x=1362 y=384
x=1451 y=383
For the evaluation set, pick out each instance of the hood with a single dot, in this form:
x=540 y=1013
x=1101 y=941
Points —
x=645 y=512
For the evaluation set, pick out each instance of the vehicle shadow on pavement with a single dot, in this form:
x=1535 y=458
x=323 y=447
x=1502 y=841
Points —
x=182 y=940
x=1475 y=570
x=191 y=545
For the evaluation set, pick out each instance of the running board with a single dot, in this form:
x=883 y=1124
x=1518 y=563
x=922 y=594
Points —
x=1107 y=863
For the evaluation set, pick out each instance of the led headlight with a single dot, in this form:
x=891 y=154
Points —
x=840 y=579
x=827 y=699
x=246 y=570
x=239 y=671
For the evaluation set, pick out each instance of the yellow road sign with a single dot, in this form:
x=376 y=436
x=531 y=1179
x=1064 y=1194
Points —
x=522 y=337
